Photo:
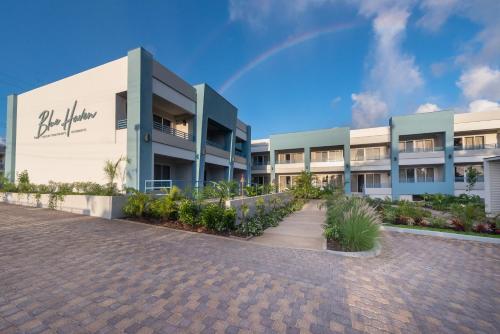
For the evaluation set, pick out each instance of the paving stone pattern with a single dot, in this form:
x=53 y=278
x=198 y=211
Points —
x=64 y=273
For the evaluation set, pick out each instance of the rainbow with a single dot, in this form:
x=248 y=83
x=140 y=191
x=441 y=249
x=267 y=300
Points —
x=290 y=42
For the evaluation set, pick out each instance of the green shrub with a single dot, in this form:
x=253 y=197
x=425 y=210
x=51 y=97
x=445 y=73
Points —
x=216 y=218
x=136 y=204
x=467 y=215
x=360 y=229
x=438 y=222
x=188 y=212
x=352 y=222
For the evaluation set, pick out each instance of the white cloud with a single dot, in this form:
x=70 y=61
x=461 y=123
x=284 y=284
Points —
x=335 y=101
x=480 y=82
x=484 y=47
x=367 y=109
x=427 y=107
x=483 y=105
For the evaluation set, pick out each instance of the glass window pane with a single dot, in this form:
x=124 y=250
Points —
x=409 y=146
x=469 y=142
x=459 y=173
x=429 y=145
x=429 y=177
x=479 y=141
x=457 y=142
x=369 y=180
x=402 y=175
x=377 y=181
x=402 y=146
x=420 y=174
x=410 y=175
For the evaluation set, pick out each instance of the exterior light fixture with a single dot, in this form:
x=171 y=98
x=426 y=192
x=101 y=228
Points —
x=147 y=137
x=395 y=158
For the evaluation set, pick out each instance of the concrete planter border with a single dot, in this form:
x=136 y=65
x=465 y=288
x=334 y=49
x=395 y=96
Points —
x=108 y=207
x=375 y=251
x=441 y=234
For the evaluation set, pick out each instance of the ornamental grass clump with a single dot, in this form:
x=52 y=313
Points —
x=352 y=224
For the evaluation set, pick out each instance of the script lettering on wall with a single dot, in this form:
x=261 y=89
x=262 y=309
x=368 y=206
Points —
x=48 y=122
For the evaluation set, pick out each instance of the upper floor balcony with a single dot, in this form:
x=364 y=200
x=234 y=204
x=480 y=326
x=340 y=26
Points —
x=327 y=160
x=289 y=162
x=370 y=159
x=420 y=151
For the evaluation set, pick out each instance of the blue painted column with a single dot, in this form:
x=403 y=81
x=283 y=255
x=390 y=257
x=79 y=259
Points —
x=248 y=154
x=139 y=118
x=11 y=131
x=232 y=144
x=307 y=159
x=201 y=136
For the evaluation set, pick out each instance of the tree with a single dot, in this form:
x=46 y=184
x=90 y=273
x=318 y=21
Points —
x=471 y=178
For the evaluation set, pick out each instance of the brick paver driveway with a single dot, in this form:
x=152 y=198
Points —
x=66 y=273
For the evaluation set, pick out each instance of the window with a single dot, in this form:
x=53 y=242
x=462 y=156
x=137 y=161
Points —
x=336 y=155
x=469 y=143
x=358 y=154
x=373 y=153
x=420 y=174
x=373 y=181
x=429 y=174
x=459 y=173
x=457 y=142
x=479 y=142
x=406 y=175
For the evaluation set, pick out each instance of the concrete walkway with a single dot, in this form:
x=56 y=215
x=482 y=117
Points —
x=302 y=229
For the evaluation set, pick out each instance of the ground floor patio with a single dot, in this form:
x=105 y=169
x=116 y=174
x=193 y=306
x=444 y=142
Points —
x=65 y=273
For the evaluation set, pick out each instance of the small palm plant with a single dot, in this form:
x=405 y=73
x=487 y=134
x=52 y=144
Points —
x=111 y=171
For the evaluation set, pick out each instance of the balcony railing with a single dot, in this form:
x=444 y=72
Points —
x=422 y=149
x=326 y=160
x=378 y=185
x=240 y=154
x=171 y=131
x=475 y=147
x=218 y=145
x=480 y=178
x=121 y=124
x=291 y=161
x=365 y=158
x=415 y=180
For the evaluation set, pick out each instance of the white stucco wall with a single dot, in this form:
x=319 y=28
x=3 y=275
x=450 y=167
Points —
x=81 y=155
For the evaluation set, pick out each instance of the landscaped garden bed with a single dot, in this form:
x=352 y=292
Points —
x=445 y=213
x=201 y=212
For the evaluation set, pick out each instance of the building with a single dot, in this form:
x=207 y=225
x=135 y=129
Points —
x=2 y=157
x=131 y=107
x=414 y=155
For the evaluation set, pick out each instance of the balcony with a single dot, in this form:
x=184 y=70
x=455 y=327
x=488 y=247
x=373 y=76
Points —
x=173 y=132
x=422 y=156
x=122 y=124
x=475 y=153
x=289 y=165
x=380 y=162
x=261 y=167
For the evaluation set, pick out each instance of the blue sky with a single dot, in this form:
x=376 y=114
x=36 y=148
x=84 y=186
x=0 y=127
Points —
x=288 y=65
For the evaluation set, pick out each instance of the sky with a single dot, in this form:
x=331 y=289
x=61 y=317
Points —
x=287 y=65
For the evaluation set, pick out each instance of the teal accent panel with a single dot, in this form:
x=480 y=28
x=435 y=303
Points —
x=313 y=139
x=418 y=124
x=11 y=132
x=201 y=135
x=211 y=105
x=139 y=118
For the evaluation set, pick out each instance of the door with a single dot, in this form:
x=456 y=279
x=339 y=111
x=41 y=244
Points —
x=162 y=172
x=361 y=183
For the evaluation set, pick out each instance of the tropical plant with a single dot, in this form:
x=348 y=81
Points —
x=136 y=204
x=466 y=215
x=111 y=171
x=217 y=218
x=188 y=212
x=471 y=178
x=304 y=187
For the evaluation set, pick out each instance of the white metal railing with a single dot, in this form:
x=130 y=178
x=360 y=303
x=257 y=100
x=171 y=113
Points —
x=157 y=185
